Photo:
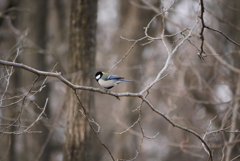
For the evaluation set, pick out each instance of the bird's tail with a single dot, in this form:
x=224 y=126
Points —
x=126 y=80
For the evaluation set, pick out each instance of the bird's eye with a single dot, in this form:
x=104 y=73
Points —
x=98 y=76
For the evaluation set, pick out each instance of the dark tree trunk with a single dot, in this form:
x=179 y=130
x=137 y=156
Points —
x=81 y=58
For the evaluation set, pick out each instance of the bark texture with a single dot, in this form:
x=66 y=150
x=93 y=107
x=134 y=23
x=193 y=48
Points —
x=81 y=59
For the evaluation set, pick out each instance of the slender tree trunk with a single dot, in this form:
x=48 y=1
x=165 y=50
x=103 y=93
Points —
x=81 y=58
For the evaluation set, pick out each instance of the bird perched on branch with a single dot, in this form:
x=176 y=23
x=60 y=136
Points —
x=108 y=81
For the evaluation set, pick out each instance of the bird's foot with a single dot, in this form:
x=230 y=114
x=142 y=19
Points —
x=106 y=90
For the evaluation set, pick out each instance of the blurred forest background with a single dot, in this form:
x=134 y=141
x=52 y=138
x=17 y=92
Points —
x=199 y=94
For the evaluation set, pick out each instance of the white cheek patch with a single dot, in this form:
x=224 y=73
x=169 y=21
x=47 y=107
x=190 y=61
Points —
x=98 y=76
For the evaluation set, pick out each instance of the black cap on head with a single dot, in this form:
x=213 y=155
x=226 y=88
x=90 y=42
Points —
x=98 y=75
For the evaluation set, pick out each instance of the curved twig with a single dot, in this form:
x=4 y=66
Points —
x=126 y=94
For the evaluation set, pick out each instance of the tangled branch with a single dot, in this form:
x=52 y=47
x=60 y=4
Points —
x=139 y=95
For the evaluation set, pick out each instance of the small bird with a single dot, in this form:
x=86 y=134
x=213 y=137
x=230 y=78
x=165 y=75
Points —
x=108 y=81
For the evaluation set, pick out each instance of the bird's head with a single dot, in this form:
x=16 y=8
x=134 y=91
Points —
x=98 y=75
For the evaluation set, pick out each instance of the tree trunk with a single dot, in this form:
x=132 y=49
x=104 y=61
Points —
x=81 y=58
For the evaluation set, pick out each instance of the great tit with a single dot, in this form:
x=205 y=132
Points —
x=108 y=81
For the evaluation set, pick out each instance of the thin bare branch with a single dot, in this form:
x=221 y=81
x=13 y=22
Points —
x=90 y=121
x=223 y=34
x=125 y=55
x=130 y=159
x=220 y=59
x=28 y=129
x=202 y=29
x=168 y=60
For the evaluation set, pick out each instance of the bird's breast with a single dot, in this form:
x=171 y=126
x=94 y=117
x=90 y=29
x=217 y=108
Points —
x=108 y=83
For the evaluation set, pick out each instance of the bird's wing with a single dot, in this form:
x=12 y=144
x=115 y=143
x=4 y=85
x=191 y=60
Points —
x=114 y=77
